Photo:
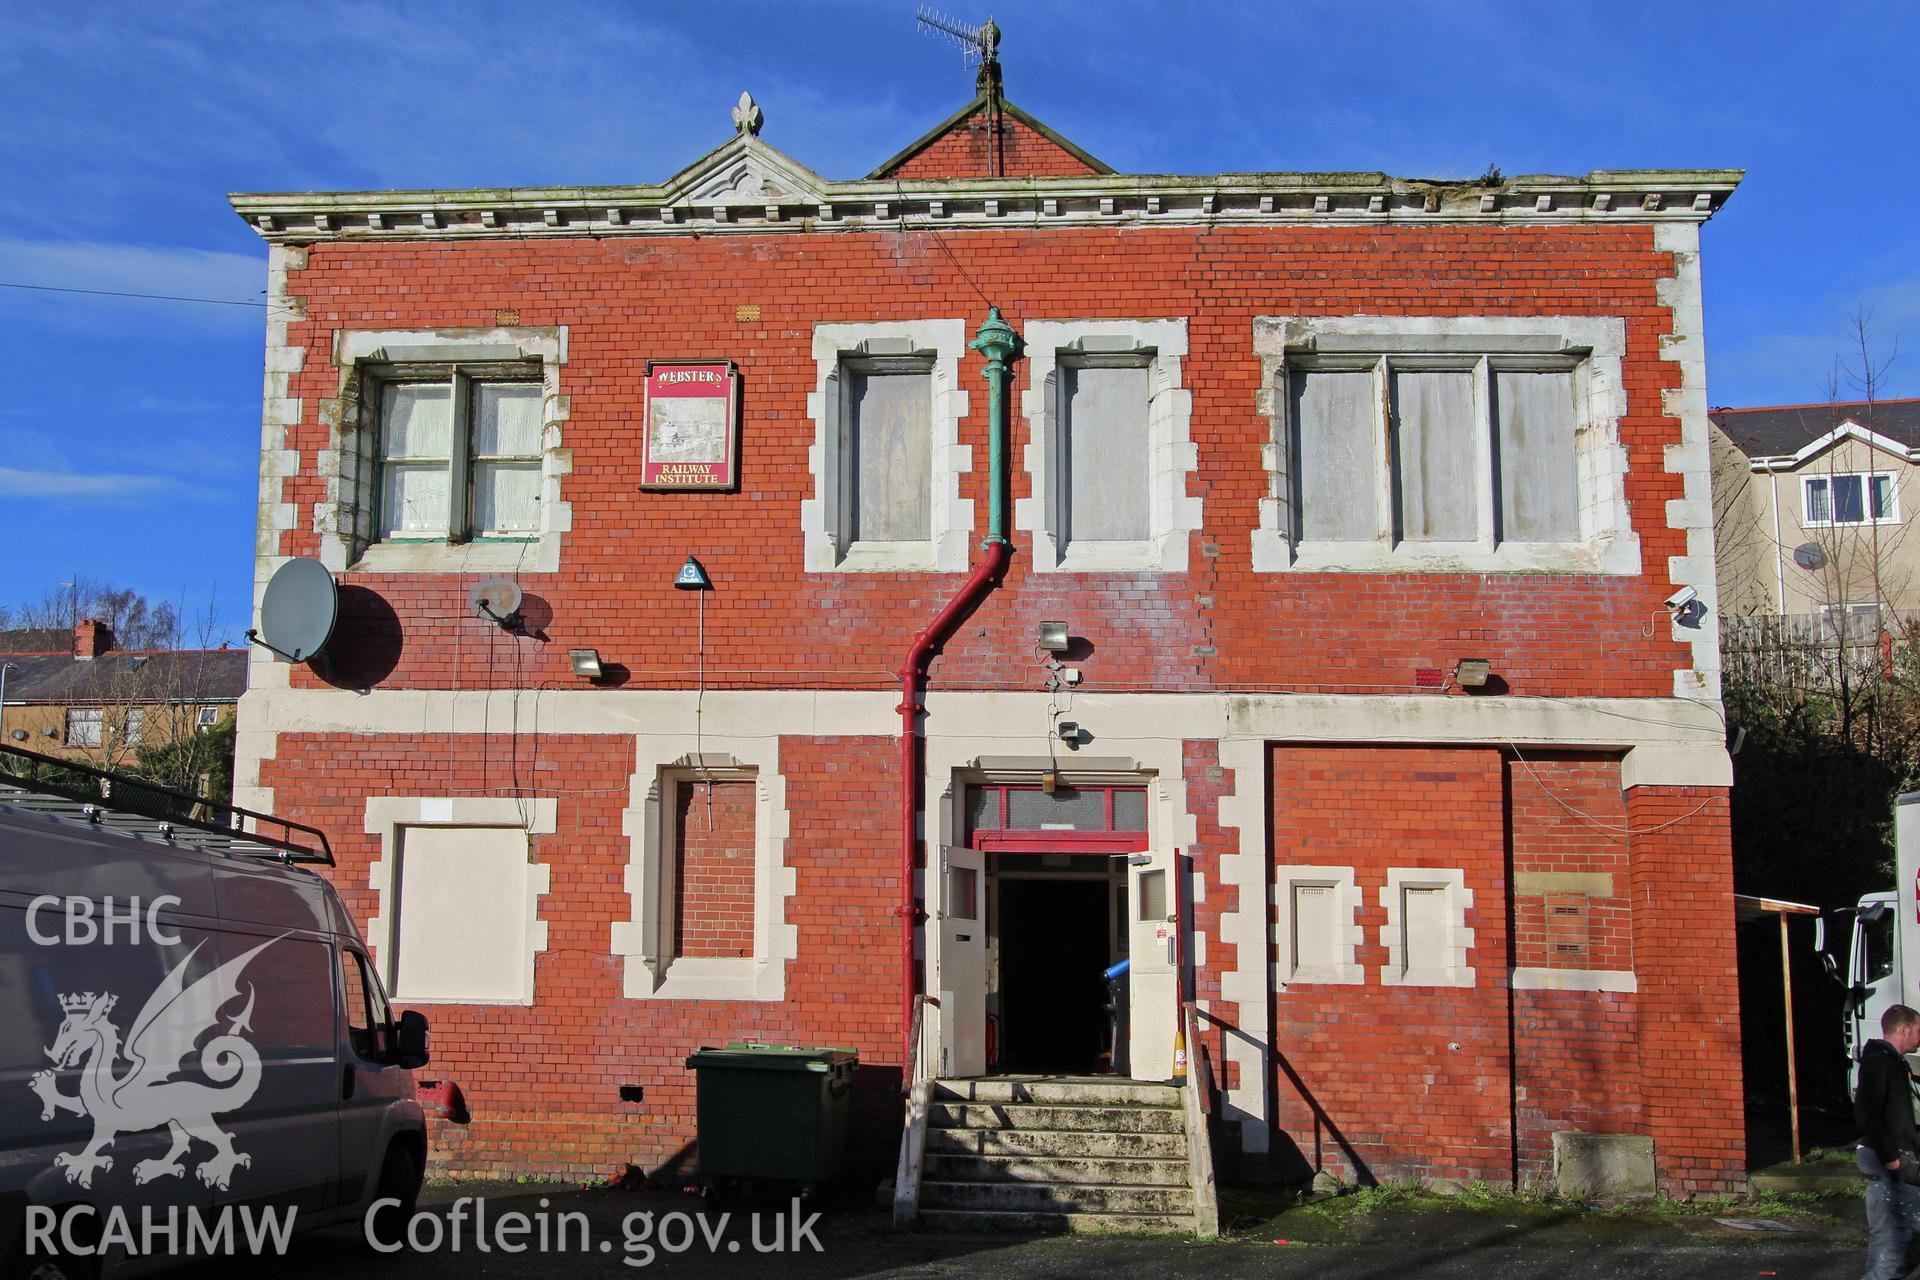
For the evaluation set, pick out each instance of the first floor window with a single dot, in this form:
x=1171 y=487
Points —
x=458 y=451
x=1434 y=449
x=136 y=723
x=1863 y=498
x=1106 y=492
x=206 y=718
x=84 y=725
x=885 y=451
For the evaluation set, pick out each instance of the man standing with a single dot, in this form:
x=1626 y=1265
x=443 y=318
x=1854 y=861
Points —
x=1883 y=1108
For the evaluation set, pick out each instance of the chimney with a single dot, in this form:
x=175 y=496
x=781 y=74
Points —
x=91 y=639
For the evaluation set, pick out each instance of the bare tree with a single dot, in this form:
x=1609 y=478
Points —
x=136 y=622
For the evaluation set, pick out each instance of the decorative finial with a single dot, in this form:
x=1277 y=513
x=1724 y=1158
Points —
x=747 y=116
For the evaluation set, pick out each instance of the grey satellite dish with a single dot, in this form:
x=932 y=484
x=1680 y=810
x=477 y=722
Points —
x=297 y=612
x=496 y=598
x=1810 y=555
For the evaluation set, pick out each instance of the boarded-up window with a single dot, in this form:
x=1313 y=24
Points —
x=1539 y=489
x=416 y=445
x=459 y=456
x=506 y=457
x=1426 y=929
x=1316 y=927
x=459 y=928
x=886 y=454
x=1105 y=454
x=1435 y=455
x=1335 y=416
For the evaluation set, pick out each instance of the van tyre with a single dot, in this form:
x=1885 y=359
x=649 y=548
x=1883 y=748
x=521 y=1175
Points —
x=400 y=1178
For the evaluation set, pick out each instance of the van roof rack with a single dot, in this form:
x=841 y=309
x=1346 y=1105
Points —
x=66 y=789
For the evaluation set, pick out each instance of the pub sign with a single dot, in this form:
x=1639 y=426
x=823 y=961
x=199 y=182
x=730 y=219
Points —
x=693 y=425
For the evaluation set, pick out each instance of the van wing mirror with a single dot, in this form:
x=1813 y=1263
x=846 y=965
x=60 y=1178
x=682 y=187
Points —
x=410 y=1040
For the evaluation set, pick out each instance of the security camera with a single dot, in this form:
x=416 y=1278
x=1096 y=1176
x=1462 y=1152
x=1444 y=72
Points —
x=1682 y=598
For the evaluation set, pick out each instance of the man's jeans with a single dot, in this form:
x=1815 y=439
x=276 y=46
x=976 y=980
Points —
x=1893 y=1214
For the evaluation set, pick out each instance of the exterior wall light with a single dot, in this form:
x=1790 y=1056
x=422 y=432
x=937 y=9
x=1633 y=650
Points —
x=1053 y=637
x=1472 y=673
x=586 y=663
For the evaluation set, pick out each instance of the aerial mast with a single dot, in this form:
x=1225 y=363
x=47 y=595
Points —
x=980 y=44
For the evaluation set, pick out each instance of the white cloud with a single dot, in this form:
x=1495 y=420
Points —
x=123 y=488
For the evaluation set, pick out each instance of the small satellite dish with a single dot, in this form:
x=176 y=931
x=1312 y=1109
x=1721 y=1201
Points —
x=297 y=611
x=497 y=599
x=1810 y=555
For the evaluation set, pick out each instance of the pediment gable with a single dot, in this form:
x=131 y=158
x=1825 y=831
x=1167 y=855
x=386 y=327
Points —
x=743 y=171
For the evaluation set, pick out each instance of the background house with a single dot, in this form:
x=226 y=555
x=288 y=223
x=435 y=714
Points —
x=73 y=695
x=1813 y=505
x=1359 y=497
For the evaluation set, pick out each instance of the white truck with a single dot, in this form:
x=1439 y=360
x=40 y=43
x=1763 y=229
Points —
x=196 y=1056
x=1883 y=958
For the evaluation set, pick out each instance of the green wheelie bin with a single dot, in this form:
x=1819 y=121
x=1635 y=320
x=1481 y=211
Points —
x=771 y=1113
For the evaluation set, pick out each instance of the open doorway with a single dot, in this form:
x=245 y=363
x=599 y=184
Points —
x=1057 y=930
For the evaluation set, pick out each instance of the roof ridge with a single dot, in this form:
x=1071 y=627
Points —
x=1818 y=404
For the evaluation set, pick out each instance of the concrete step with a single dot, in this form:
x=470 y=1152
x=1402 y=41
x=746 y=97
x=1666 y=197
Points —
x=1096 y=1172
x=1058 y=1090
x=1058 y=1143
x=970 y=1222
x=996 y=1115
x=1040 y=1197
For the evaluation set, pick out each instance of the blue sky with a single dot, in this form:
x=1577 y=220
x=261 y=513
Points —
x=129 y=429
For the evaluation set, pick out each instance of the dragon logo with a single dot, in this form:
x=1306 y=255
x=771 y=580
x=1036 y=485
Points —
x=159 y=1044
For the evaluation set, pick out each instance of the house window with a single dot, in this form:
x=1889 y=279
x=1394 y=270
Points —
x=886 y=457
x=1850 y=623
x=1858 y=498
x=1446 y=444
x=1110 y=449
x=136 y=723
x=84 y=725
x=459 y=452
x=713 y=873
x=1398 y=452
x=206 y=718
x=1023 y=816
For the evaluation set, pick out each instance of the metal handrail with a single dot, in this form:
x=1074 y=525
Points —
x=917 y=1075
x=124 y=793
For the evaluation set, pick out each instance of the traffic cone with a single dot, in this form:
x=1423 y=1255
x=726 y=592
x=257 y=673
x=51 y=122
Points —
x=1179 y=1055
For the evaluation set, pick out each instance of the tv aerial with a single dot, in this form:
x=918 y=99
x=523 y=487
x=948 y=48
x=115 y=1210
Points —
x=497 y=599
x=297 y=611
x=977 y=43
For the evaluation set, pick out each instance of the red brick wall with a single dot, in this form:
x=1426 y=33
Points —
x=542 y=1081
x=963 y=152
x=1220 y=625
x=1689 y=987
x=1395 y=1081
x=713 y=834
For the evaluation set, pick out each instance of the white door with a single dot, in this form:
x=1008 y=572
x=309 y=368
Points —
x=1151 y=1001
x=963 y=962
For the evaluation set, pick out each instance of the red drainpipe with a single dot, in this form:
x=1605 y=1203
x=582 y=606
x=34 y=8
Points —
x=996 y=340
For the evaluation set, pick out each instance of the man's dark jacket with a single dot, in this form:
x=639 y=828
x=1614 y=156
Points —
x=1883 y=1104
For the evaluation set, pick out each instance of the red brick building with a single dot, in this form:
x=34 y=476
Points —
x=1362 y=500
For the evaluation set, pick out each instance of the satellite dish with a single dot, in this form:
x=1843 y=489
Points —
x=297 y=611
x=497 y=599
x=1810 y=555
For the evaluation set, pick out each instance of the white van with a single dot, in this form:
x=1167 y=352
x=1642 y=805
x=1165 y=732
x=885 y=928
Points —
x=195 y=1052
